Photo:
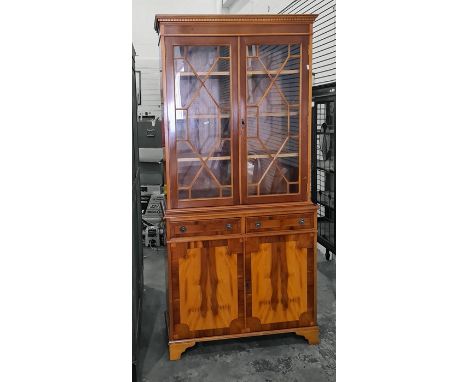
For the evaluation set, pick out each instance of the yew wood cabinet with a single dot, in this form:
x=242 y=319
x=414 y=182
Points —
x=241 y=229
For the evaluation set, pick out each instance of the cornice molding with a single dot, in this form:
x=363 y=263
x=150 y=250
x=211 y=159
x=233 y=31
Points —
x=261 y=19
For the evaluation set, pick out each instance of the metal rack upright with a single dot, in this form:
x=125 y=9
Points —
x=324 y=166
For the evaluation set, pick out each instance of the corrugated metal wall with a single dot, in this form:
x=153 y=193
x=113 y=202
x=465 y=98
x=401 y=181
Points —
x=324 y=42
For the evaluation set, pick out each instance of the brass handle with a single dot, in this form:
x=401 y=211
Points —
x=301 y=221
x=258 y=225
x=183 y=228
x=229 y=226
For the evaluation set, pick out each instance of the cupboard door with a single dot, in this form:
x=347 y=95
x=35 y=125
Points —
x=274 y=111
x=207 y=288
x=201 y=87
x=280 y=276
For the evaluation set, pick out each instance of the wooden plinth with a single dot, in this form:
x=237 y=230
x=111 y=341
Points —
x=312 y=335
x=176 y=348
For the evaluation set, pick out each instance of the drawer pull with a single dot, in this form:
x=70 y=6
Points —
x=301 y=221
x=183 y=228
x=229 y=226
x=258 y=225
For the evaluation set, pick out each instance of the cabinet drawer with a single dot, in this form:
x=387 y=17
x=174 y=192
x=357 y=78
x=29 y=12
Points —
x=205 y=227
x=280 y=222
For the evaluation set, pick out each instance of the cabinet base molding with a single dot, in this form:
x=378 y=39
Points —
x=312 y=335
x=176 y=348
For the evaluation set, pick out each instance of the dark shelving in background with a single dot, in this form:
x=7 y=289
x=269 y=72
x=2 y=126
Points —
x=323 y=164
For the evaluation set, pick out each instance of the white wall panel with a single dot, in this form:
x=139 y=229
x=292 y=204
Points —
x=324 y=41
x=258 y=6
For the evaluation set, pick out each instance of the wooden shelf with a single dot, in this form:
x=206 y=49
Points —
x=191 y=74
x=262 y=72
x=253 y=156
x=274 y=114
x=266 y=156
x=249 y=73
x=213 y=116
x=204 y=158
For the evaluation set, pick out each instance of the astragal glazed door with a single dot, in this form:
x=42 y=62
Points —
x=274 y=109
x=201 y=88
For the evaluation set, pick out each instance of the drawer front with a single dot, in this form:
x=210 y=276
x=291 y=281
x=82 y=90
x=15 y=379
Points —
x=205 y=227
x=280 y=222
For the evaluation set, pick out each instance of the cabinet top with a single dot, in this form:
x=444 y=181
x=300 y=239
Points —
x=232 y=19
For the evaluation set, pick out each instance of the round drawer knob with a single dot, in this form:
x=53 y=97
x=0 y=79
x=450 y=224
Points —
x=183 y=228
x=229 y=226
x=258 y=225
x=301 y=221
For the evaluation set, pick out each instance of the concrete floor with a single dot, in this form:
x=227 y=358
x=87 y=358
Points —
x=284 y=357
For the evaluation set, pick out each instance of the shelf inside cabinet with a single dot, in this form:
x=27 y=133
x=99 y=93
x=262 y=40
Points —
x=275 y=72
x=205 y=116
x=276 y=114
x=196 y=159
x=253 y=156
x=266 y=156
x=191 y=74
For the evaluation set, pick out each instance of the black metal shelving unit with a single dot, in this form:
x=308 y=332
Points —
x=324 y=164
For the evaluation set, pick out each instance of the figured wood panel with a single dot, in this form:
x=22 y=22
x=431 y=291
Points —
x=280 y=280
x=206 y=288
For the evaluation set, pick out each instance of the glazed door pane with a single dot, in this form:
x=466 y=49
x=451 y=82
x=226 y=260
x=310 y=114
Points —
x=203 y=107
x=273 y=117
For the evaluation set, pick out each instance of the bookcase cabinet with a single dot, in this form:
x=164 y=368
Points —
x=241 y=227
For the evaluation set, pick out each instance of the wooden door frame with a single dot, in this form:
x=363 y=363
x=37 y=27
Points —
x=170 y=125
x=305 y=69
